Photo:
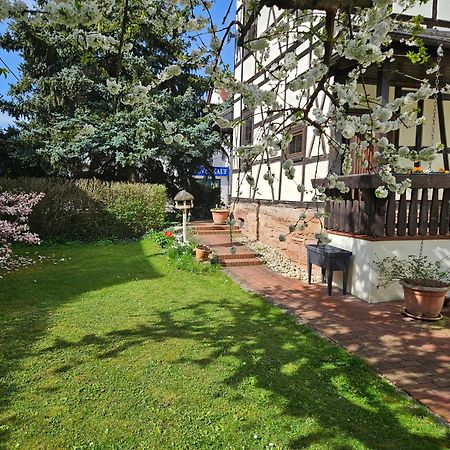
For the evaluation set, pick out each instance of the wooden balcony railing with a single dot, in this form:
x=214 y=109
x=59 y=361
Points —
x=423 y=210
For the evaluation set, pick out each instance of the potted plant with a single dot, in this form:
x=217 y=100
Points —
x=425 y=283
x=220 y=215
x=202 y=253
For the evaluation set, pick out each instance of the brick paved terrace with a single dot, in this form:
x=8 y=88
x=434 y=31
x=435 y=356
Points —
x=414 y=355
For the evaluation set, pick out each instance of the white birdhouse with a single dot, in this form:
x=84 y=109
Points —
x=184 y=200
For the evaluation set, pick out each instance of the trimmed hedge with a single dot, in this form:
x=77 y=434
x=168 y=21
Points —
x=91 y=209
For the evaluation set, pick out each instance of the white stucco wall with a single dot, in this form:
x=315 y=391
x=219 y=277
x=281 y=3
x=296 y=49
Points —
x=363 y=278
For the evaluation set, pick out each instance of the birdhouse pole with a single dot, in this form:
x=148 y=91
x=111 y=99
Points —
x=184 y=226
x=184 y=201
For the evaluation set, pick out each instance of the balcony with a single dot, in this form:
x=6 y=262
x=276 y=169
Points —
x=422 y=212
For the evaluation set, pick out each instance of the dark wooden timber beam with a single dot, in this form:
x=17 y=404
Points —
x=398 y=93
x=384 y=81
x=434 y=14
x=323 y=5
x=442 y=130
x=419 y=130
x=372 y=181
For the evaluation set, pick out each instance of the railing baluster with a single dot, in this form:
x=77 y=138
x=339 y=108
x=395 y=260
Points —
x=423 y=213
x=335 y=218
x=390 y=215
x=401 y=217
x=444 y=222
x=367 y=204
x=341 y=215
x=434 y=213
x=380 y=217
x=358 y=212
x=348 y=220
x=412 y=216
x=326 y=220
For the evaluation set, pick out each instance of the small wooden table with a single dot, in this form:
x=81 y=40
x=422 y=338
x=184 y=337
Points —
x=329 y=258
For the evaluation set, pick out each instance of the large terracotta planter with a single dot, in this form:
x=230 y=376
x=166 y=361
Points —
x=423 y=302
x=220 y=216
x=201 y=254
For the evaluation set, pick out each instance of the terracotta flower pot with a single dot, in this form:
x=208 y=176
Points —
x=426 y=302
x=220 y=216
x=201 y=254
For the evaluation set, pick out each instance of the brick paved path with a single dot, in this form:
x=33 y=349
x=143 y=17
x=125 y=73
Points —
x=414 y=355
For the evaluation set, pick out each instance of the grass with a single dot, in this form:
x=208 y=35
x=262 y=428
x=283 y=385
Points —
x=114 y=348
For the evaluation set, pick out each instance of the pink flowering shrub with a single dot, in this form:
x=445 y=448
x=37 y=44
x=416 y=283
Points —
x=14 y=212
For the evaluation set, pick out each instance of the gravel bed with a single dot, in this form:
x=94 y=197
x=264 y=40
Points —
x=274 y=260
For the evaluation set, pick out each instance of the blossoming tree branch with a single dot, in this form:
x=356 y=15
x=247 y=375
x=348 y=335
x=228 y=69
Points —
x=357 y=31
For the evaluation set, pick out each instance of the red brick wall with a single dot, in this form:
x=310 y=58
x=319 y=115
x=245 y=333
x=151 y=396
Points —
x=273 y=221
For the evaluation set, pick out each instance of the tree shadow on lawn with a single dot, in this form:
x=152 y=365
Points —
x=310 y=378
x=31 y=295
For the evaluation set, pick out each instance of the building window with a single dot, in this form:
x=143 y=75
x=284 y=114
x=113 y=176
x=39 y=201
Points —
x=296 y=147
x=247 y=129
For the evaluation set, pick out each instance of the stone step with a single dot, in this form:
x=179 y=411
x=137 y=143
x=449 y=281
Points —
x=201 y=232
x=224 y=257
x=214 y=227
x=223 y=252
x=241 y=262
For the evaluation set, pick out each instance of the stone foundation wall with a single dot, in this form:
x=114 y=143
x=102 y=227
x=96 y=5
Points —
x=265 y=223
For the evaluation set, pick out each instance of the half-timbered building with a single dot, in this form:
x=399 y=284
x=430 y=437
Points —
x=368 y=226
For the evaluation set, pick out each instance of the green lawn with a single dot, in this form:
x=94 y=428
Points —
x=115 y=348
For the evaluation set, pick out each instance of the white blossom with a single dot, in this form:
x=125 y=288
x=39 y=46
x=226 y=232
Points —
x=113 y=87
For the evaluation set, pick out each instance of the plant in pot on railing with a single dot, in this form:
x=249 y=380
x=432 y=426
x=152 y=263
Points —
x=425 y=283
x=202 y=253
x=220 y=215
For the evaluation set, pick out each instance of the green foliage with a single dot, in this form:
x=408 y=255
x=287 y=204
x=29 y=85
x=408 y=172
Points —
x=114 y=349
x=417 y=270
x=161 y=238
x=76 y=128
x=206 y=197
x=183 y=257
x=140 y=207
x=181 y=254
x=421 y=55
x=173 y=216
x=92 y=209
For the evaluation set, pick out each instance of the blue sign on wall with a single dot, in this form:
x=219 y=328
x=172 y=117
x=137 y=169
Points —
x=218 y=172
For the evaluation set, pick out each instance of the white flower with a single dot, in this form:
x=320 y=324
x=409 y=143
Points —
x=403 y=152
x=341 y=187
x=288 y=164
x=170 y=72
x=349 y=130
x=322 y=238
x=290 y=61
x=222 y=122
x=178 y=138
x=381 y=192
x=127 y=47
x=113 y=87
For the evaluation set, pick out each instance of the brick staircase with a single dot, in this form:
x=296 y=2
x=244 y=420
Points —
x=217 y=237
x=206 y=228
